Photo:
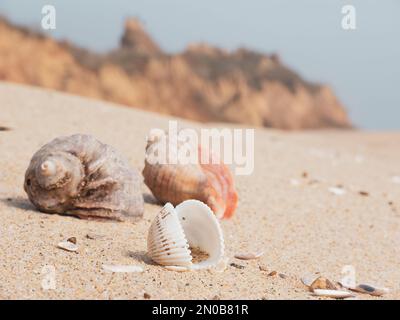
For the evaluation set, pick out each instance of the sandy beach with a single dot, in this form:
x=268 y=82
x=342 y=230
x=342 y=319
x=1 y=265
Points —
x=285 y=209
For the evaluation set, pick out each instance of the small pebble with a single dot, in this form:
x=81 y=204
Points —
x=72 y=240
x=272 y=273
x=146 y=295
x=263 y=268
x=235 y=265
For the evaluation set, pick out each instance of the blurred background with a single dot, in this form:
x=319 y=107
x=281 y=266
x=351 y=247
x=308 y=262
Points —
x=282 y=64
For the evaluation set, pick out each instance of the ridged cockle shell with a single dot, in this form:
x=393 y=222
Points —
x=210 y=182
x=177 y=232
x=79 y=175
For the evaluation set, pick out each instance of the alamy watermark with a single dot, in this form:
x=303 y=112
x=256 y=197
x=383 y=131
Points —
x=49 y=17
x=349 y=17
x=349 y=276
x=49 y=277
x=348 y=20
x=229 y=146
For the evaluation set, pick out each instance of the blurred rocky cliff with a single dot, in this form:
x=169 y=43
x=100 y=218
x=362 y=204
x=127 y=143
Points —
x=202 y=83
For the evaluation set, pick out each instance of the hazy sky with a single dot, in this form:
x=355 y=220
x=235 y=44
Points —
x=362 y=65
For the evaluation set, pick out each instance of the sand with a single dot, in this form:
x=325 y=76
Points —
x=301 y=226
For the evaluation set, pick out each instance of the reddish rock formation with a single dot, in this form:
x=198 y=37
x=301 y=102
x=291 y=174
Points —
x=136 y=39
x=202 y=83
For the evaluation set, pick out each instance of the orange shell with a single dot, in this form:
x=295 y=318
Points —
x=211 y=183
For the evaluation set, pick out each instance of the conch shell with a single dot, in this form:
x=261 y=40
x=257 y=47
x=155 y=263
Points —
x=208 y=181
x=175 y=230
x=78 y=175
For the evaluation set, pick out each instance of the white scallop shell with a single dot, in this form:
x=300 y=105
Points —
x=174 y=230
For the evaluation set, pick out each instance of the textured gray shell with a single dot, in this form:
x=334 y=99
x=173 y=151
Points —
x=92 y=180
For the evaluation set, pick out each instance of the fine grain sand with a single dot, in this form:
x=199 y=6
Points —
x=285 y=209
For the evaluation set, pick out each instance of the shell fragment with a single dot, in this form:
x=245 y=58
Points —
x=322 y=283
x=338 y=294
x=68 y=246
x=337 y=191
x=249 y=255
x=373 y=291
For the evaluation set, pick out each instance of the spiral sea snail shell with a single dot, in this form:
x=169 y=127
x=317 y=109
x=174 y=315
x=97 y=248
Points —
x=78 y=175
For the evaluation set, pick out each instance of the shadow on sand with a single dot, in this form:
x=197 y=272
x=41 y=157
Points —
x=140 y=256
x=19 y=203
x=150 y=199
